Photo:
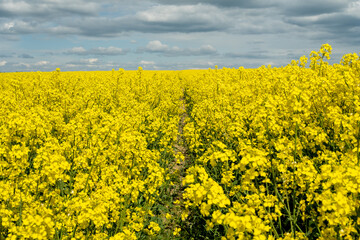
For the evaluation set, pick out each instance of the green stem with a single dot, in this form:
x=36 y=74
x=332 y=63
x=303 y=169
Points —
x=358 y=143
x=92 y=167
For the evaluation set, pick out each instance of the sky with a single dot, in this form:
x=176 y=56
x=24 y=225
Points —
x=83 y=35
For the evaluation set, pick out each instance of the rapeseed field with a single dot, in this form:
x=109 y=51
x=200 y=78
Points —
x=266 y=153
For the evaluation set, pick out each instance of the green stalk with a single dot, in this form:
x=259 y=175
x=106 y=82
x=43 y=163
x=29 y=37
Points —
x=92 y=167
x=358 y=143
x=293 y=183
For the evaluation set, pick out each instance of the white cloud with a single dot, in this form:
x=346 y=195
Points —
x=3 y=63
x=46 y=8
x=27 y=65
x=225 y=3
x=9 y=25
x=143 y=62
x=17 y=26
x=77 y=50
x=157 y=46
x=186 y=13
x=97 y=51
x=16 y=7
x=207 y=49
x=41 y=63
x=92 y=60
x=107 y=51
x=71 y=65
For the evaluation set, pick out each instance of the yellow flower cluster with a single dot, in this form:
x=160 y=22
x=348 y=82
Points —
x=85 y=154
x=276 y=150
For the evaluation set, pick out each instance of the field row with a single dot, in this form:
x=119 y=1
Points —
x=86 y=155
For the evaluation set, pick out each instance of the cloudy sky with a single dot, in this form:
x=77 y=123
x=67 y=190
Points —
x=41 y=35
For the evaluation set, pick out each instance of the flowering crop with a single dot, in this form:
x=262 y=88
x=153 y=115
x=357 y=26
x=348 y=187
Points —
x=267 y=153
x=85 y=154
x=276 y=150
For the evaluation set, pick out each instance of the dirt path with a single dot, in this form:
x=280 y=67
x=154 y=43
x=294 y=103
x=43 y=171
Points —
x=177 y=169
x=180 y=146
